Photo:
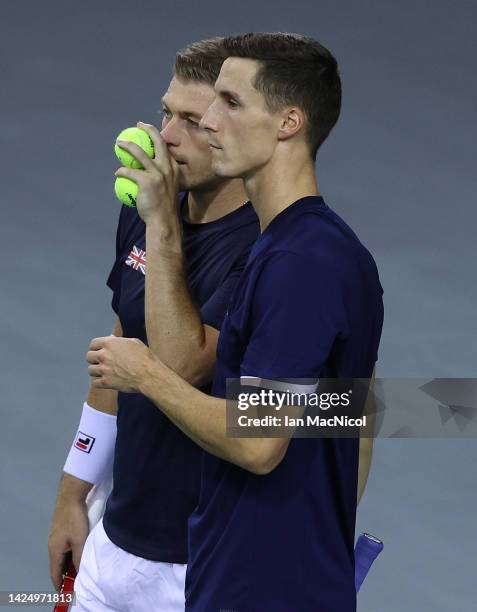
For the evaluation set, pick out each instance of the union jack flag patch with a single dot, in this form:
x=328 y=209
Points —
x=137 y=259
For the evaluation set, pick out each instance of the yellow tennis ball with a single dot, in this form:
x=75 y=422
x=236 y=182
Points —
x=142 y=139
x=126 y=191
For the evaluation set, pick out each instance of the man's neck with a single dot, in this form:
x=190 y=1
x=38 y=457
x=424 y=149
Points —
x=206 y=206
x=278 y=184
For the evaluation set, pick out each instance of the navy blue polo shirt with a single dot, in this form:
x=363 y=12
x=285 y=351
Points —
x=308 y=305
x=156 y=467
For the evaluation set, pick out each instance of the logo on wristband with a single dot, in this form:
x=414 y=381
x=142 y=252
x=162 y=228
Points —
x=84 y=442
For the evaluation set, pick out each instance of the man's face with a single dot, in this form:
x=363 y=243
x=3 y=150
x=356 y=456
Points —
x=184 y=104
x=242 y=133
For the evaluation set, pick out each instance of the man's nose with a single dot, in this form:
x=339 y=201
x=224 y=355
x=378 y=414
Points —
x=170 y=133
x=209 y=119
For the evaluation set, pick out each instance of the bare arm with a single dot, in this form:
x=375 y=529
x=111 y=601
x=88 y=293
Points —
x=69 y=527
x=127 y=364
x=175 y=331
x=203 y=418
x=105 y=400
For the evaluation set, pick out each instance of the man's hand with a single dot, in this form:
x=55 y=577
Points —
x=119 y=363
x=69 y=530
x=158 y=182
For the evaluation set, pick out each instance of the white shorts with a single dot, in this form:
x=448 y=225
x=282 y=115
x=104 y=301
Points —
x=111 y=579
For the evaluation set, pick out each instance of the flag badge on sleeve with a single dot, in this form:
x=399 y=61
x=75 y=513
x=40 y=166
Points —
x=137 y=259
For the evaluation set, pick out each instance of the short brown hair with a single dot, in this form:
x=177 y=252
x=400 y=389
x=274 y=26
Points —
x=201 y=61
x=295 y=69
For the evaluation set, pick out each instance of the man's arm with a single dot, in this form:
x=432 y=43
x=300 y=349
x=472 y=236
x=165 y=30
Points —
x=174 y=327
x=175 y=332
x=203 y=418
x=69 y=528
x=128 y=365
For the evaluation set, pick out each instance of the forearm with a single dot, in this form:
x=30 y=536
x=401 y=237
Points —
x=105 y=400
x=174 y=328
x=72 y=489
x=77 y=479
x=203 y=418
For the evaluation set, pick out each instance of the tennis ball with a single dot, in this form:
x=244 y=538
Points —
x=126 y=191
x=142 y=139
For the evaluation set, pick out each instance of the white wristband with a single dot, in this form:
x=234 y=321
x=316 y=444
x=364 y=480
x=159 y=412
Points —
x=91 y=455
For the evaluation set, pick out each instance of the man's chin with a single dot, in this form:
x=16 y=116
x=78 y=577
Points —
x=203 y=183
x=220 y=169
x=184 y=180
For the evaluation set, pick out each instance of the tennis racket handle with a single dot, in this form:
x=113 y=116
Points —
x=367 y=549
x=67 y=586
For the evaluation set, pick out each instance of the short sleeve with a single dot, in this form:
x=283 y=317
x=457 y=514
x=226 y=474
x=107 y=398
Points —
x=297 y=312
x=214 y=309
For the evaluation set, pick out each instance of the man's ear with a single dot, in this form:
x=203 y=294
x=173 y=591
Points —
x=292 y=121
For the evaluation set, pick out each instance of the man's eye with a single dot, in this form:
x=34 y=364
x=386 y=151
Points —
x=193 y=124
x=232 y=103
x=166 y=113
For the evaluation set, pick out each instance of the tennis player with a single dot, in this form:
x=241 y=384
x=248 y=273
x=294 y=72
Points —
x=274 y=527
x=135 y=558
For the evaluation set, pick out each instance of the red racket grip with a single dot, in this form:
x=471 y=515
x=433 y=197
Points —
x=67 y=586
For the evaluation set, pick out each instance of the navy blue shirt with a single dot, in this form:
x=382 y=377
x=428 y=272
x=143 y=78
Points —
x=308 y=305
x=156 y=467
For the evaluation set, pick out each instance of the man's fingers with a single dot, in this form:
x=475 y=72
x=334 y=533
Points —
x=95 y=371
x=161 y=153
x=157 y=140
x=57 y=568
x=77 y=552
x=98 y=383
x=93 y=357
x=137 y=152
x=132 y=174
x=98 y=343
x=150 y=129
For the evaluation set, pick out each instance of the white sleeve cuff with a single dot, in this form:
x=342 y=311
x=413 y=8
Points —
x=91 y=455
x=282 y=385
